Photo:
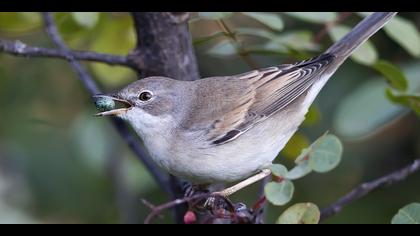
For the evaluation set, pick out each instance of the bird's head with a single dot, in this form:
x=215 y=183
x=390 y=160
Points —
x=147 y=104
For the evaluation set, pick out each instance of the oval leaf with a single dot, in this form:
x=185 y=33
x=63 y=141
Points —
x=279 y=193
x=366 y=54
x=325 y=154
x=300 y=170
x=303 y=156
x=392 y=73
x=214 y=15
x=223 y=49
x=301 y=213
x=314 y=17
x=404 y=33
x=409 y=214
x=300 y=40
x=255 y=32
x=366 y=110
x=271 y=20
x=278 y=170
x=117 y=37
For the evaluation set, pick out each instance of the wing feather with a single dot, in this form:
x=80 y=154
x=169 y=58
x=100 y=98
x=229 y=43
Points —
x=254 y=96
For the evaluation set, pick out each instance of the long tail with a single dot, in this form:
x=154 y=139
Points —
x=358 y=35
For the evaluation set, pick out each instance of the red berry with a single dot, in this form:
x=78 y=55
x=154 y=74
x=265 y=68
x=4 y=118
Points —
x=189 y=217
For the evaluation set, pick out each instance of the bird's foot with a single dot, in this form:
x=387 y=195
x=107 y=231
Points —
x=194 y=189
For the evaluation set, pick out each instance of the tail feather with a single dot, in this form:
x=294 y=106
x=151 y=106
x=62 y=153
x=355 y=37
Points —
x=359 y=34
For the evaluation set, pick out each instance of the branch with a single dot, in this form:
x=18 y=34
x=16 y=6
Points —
x=156 y=210
x=20 y=49
x=368 y=187
x=240 y=50
x=93 y=89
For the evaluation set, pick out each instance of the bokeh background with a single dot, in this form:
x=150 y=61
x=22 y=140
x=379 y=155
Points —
x=60 y=164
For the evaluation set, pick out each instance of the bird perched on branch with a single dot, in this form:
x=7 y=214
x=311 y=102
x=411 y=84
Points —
x=227 y=128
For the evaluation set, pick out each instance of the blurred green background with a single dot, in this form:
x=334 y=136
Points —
x=59 y=164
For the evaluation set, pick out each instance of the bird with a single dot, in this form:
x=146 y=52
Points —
x=226 y=129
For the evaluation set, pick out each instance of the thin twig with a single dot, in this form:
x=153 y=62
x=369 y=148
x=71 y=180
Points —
x=20 y=49
x=368 y=187
x=83 y=76
x=156 y=210
x=93 y=89
x=241 y=51
x=259 y=207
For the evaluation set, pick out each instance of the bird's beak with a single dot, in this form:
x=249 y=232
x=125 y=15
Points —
x=111 y=105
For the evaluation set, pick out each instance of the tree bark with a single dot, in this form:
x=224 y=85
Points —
x=164 y=45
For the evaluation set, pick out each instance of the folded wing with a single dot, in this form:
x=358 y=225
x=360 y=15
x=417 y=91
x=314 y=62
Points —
x=246 y=99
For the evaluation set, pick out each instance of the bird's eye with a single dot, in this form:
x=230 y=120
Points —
x=145 y=96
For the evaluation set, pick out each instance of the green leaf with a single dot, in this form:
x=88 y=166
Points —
x=272 y=47
x=392 y=73
x=325 y=153
x=86 y=19
x=255 y=32
x=279 y=193
x=404 y=33
x=365 y=110
x=406 y=99
x=297 y=40
x=74 y=34
x=314 y=17
x=300 y=213
x=271 y=20
x=366 y=54
x=223 y=49
x=303 y=156
x=409 y=214
x=214 y=15
x=116 y=37
x=278 y=170
x=299 y=171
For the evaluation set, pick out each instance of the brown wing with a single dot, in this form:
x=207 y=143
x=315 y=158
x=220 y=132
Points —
x=246 y=99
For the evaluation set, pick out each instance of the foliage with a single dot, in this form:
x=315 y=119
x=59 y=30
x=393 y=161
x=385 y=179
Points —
x=409 y=214
x=300 y=213
x=322 y=156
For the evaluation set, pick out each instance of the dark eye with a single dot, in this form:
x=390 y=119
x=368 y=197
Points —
x=145 y=96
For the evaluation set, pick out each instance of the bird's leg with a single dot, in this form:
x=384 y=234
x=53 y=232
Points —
x=210 y=202
x=229 y=191
x=193 y=189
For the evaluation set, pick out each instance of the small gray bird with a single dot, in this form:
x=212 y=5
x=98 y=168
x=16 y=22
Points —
x=225 y=129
